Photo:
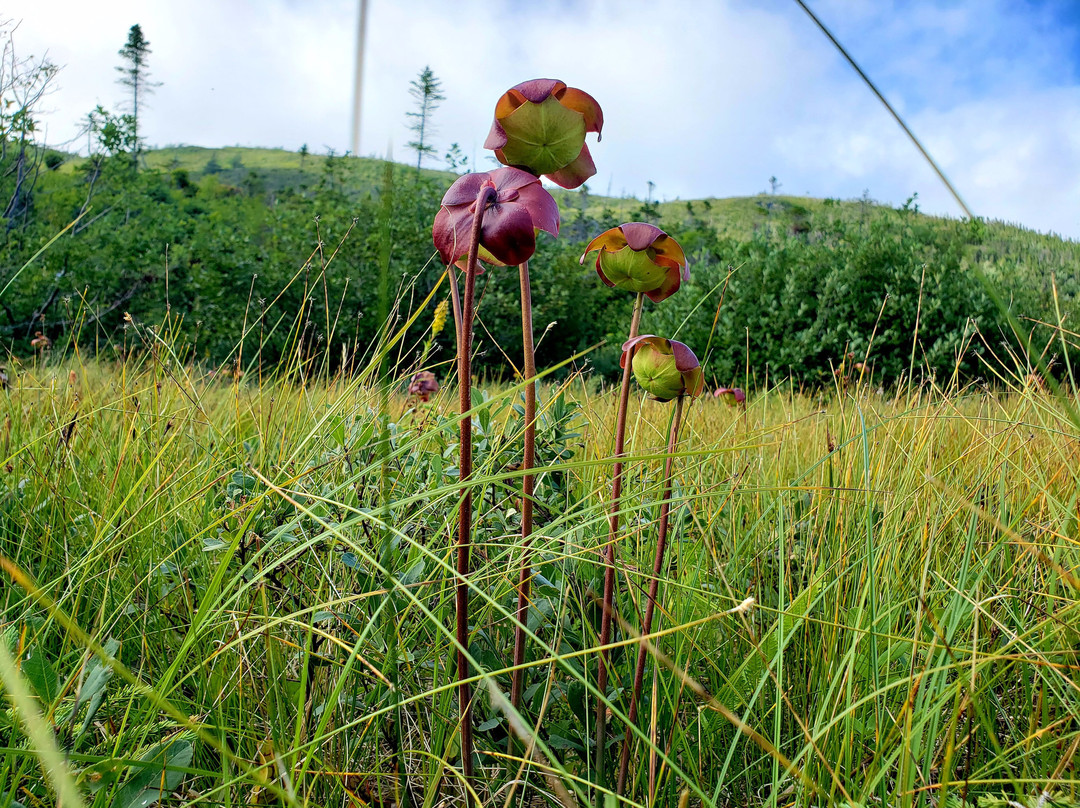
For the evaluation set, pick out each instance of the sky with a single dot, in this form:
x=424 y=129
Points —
x=702 y=98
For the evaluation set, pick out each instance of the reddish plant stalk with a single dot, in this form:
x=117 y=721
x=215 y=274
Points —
x=654 y=585
x=609 y=551
x=527 y=463
x=486 y=193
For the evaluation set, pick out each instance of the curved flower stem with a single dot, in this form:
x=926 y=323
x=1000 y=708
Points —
x=486 y=193
x=527 y=463
x=654 y=585
x=609 y=552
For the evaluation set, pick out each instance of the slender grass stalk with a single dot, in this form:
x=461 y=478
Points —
x=486 y=193
x=609 y=551
x=654 y=585
x=527 y=463
x=455 y=303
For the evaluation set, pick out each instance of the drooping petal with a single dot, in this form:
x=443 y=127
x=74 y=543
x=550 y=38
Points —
x=496 y=138
x=685 y=359
x=667 y=287
x=543 y=137
x=536 y=90
x=450 y=232
x=574 y=174
x=632 y=345
x=585 y=104
x=513 y=184
x=542 y=207
x=669 y=248
x=694 y=381
x=464 y=189
x=640 y=235
x=507 y=233
x=610 y=240
x=511 y=179
x=507 y=103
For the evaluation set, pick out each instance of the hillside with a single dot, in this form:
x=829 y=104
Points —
x=208 y=237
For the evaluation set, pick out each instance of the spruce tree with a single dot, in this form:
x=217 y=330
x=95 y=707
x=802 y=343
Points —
x=426 y=89
x=135 y=75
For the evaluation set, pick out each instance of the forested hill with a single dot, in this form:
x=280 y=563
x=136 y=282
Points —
x=222 y=237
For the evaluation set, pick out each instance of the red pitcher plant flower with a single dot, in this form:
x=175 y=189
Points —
x=423 y=385
x=519 y=208
x=730 y=395
x=540 y=126
x=640 y=257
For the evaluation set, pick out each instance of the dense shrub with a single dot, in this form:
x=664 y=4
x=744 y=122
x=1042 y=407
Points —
x=224 y=250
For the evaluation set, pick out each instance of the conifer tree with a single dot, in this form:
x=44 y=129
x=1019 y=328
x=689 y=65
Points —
x=135 y=74
x=427 y=90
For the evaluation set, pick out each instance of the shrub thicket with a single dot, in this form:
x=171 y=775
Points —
x=809 y=283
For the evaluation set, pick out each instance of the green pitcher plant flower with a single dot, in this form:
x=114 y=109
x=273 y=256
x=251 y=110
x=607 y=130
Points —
x=540 y=126
x=519 y=209
x=640 y=257
x=664 y=368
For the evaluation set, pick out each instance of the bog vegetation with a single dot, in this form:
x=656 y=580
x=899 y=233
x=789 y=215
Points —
x=231 y=528
x=286 y=634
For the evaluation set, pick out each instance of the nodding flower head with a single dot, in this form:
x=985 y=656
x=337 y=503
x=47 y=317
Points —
x=640 y=257
x=517 y=208
x=664 y=368
x=424 y=385
x=730 y=395
x=540 y=126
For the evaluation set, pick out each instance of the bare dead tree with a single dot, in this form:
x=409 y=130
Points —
x=24 y=83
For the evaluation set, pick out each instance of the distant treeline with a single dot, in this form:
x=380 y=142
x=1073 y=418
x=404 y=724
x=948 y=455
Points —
x=780 y=288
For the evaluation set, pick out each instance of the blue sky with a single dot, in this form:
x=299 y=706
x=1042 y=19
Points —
x=701 y=97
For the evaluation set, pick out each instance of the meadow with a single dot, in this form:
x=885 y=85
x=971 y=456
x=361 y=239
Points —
x=268 y=536
x=232 y=589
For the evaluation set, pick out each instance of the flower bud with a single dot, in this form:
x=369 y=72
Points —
x=664 y=368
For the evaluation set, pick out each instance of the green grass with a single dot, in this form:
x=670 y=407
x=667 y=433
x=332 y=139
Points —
x=212 y=558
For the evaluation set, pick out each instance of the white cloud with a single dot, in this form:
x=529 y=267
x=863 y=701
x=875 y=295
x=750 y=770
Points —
x=702 y=98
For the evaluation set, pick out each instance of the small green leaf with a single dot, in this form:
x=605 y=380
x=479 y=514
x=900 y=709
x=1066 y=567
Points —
x=151 y=783
x=41 y=675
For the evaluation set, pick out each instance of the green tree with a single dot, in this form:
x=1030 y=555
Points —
x=135 y=75
x=456 y=160
x=427 y=92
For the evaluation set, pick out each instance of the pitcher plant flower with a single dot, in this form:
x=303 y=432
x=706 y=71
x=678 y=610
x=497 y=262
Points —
x=730 y=395
x=667 y=370
x=640 y=257
x=423 y=385
x=540 y=126
x=517 y=210
x=664 y=368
